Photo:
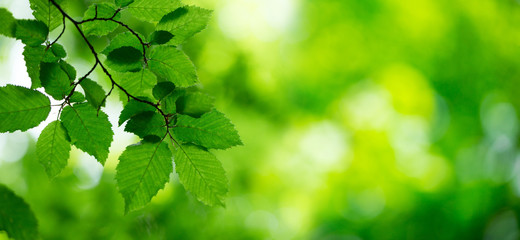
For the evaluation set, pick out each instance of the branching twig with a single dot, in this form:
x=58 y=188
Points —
x=98 y=61
x=111 y=19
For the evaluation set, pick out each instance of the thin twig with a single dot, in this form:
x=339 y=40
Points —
x=98 y=61
x=59 y=36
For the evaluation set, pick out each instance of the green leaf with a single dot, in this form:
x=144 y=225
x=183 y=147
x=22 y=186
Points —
x=142 y=171
x=147 y=124
x=162 y=90
x=46 y=12
x=53 y=148
x=184 y=22
x=124 y=53
x=22 y=108
x=16 y=217
x=160 y=37
x=55 y=81
x=89 y=130
x=168 y=95
x=137 y=83
x=48 y=55
x=69 y=70
x=211 y=130
x=173 y=65
x=125 y=39
x=125 y=59
x=8 y=26
x=123 y=3
x=33 y=56
x=58 y=50
x=152 y=10
x=77 y=97
x=31 y=32
x=93 y=92
x=100 y=27
x=194 y=104
x=202 y=174
x=132 y=108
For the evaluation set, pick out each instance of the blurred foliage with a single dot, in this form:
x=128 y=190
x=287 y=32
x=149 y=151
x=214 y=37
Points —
x=377 y=119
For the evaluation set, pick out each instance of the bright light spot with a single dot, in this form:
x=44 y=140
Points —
x=262 y=220
x=499 y=119
x=367 y=107
x=20 y=9
x=367 y=204
x=325 y=144
x=88 y=171
x=13 y=146
x=265 y=20
x=409 y=135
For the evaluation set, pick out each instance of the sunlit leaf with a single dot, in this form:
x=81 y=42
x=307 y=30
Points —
x=123 y=3
x=100 y=27
x=168 y=95
x=33 y=56
x=124 y=53
x=184 y=22
x=22 y=108
x=68 y=69
x=53 y=148
x=211 y=130
x=46 y=12
x=173 y=65
x=142 y=171
x=89 y=130
x=146 y=124
x=194 y=104
x=93 y=92
x=55 y=81
x=152 y=10
x=31 y=32
x=77 y=97
x=132 y=108
x=202 y=174
x=137 y=83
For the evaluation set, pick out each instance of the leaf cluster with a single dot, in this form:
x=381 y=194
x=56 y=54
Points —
x=157 y=82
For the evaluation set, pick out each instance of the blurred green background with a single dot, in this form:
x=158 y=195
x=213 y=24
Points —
x=375 y=119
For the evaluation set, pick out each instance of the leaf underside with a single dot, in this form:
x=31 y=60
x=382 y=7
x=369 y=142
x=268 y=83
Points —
x=22 y=108
x=142 y=171
x=152 y=10
x=211 y=130
x=202 y=174
x=89 y=130
x=53 y=148
x=173 y=65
